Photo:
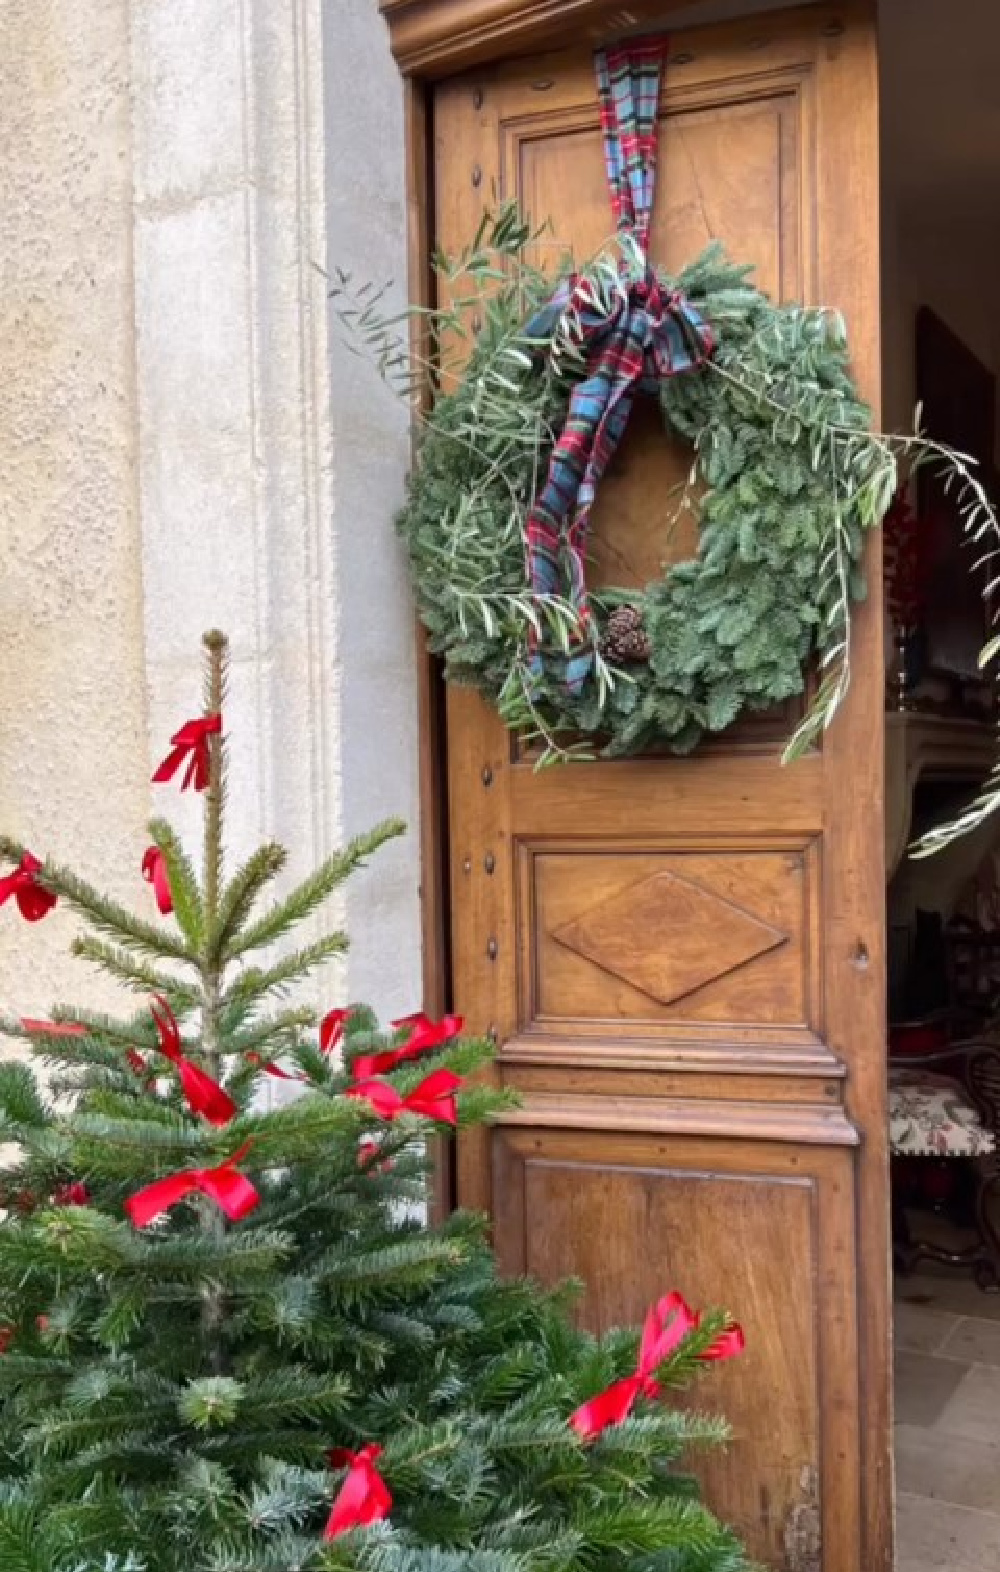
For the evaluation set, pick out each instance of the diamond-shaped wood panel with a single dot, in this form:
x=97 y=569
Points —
x=668 y=936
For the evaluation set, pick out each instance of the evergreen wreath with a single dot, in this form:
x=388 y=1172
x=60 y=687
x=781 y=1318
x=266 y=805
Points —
x=791 y=480
x=791 y=476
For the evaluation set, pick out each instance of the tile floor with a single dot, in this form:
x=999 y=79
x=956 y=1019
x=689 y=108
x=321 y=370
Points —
x=947 y=1426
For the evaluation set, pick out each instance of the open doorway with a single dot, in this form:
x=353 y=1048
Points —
x=941 y=336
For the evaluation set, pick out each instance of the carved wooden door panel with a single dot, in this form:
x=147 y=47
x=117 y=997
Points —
x=682 y=959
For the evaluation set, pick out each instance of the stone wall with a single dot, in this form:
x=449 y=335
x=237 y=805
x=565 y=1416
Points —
x=73 y=749
x=186 y=445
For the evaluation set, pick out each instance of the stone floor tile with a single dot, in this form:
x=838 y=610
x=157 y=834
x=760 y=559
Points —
x=926 y=1387
x=972 y=1410
x=974 y=1341
x=948 y=1291
x=932 y=1536
x=922 y=1327
x=961 y=1473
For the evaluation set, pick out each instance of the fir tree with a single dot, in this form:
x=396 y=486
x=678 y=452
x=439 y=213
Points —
x=229 y=1340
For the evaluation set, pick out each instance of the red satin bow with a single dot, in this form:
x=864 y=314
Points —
x=204 y=1095
x=331 y=1029
x=363 y=1497
x=32 y=901
x=668 y=1323
x=230 y=1190
x=53 y=1028
x=727 y=1345
x=192 y=739
x=369 y=1153
x=434 y=1098
x=270 y=1068
x=425 y=1035
x=154 y=871
x=74 y=1194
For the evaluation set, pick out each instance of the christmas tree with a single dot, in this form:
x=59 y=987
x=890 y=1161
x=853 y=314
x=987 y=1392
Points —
x=229 y=1340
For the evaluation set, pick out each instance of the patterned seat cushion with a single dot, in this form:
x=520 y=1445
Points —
x=932 y=1116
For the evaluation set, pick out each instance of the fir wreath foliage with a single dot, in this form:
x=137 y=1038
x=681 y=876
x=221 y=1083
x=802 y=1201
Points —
x=787 y=477
x=168 y=1395
x=792 y=478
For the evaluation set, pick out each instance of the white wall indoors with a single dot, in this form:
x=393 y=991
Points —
x=185 y=444
x=940 y=66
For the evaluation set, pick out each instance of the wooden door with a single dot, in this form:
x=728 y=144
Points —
x=682 y=960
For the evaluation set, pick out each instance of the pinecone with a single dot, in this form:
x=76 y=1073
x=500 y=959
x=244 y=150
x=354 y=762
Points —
x=625 y=638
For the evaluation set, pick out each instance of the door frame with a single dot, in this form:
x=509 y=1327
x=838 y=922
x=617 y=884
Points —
x=432 y=39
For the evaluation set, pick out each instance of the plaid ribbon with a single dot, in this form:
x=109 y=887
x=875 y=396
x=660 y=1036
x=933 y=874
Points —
x=644 y=335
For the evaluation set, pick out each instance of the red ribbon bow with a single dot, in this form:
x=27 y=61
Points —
x=331 y=1029
x=154 y=871
x=270 y=1068
x=192 y=739
x=727 y=1345
x=53 y=1028
x=204 y=1095
x=434 y=1098
x=32 y=901
x=363 y=1497
x=72 y=1194
x=668 y=1323
x=231 y=1191
x=425 y=1035
x=369 y=1155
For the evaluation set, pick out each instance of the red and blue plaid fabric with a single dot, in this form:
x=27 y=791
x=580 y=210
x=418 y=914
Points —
x=644 y=336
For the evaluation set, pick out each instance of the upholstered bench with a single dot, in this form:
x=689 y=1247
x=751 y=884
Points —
x=941 y=1115
x=932 y=1115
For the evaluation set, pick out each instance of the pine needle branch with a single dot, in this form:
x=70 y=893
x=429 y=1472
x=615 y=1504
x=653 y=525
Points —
x=236 y=900
x=307 y=896
x=135 y=974
x=255 y=983
x=183 y=881
x=107 y=915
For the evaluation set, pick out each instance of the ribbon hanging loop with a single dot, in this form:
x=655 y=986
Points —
x=630 y=340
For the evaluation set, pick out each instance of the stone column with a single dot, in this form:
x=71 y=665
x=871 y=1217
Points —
x=270 y=459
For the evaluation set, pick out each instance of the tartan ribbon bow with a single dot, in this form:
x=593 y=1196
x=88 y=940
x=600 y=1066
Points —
x=629 y=344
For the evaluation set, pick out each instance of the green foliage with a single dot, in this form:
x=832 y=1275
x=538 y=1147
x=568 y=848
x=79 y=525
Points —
x=168 y=1395
x=790 y=477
